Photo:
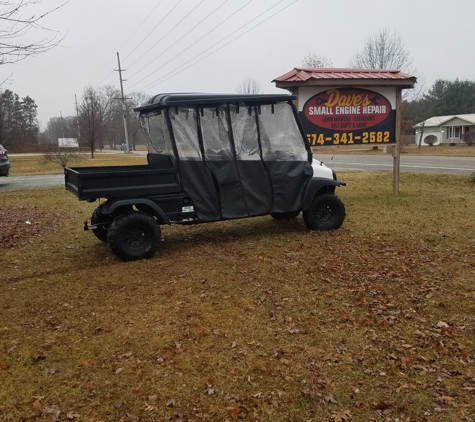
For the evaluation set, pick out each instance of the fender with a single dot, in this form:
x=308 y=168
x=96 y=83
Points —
x=112 y=204
x=316 y=184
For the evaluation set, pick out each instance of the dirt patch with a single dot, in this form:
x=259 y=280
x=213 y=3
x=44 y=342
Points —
x=20 y=223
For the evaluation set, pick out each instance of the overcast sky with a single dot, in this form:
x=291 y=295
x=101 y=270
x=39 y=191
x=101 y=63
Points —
x=203 y=46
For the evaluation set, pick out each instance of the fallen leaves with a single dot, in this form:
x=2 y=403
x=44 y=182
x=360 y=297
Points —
x=17 y=224
x=342 y=416
x=233 y=412
x=330 y=399
x=366 y=326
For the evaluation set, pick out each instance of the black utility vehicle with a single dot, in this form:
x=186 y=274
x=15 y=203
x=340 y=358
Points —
x=210 y=158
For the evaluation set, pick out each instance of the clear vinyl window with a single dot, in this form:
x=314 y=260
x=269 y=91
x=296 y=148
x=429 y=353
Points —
x=215 y=132
x=280 y=135
x=156 y=133
x=184 y=124
x=246 y=142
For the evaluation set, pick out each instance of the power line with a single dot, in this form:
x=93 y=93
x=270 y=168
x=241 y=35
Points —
x=189 y=13
x=179 y=54
x=234 y=39
x=164 y=78
x=128 y=39
x=150 y=14
x=176 y=42
x=156 y=26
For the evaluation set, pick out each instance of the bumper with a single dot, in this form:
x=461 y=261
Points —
x=4 y=169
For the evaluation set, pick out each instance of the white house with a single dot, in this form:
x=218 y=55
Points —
x=447 y=129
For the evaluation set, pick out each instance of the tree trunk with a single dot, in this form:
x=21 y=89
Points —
x=422 y=133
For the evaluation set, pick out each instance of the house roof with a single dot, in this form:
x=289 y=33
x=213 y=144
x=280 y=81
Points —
x=442 y=120
x=320 y=76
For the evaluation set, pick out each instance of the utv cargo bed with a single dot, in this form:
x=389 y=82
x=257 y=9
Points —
x=90 y=183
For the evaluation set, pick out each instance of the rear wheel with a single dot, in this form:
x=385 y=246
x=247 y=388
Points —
x=327 y=212
x=285 y=215
x=97 y=218
x=134 y=236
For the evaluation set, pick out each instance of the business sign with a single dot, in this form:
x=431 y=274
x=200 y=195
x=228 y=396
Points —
x=346 y=116
x=68 y=143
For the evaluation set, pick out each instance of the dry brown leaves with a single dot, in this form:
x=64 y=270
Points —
x=20 y=223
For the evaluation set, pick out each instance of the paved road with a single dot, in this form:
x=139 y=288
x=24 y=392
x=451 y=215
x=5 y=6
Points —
x=31 y=182
x=413 y=164
x=339 y=163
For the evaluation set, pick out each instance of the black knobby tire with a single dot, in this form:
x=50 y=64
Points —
x=134 y=236
x=327 y=212
x=97 y=217
x=285 y=215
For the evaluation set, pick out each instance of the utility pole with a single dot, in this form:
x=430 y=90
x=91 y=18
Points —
x=77 y=116
x=124 y=107
x=62 y=127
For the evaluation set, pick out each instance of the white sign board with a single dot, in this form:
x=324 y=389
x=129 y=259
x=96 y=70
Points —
x=68 y=143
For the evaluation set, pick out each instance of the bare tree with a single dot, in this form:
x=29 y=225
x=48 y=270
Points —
x=58 y=127
x=384 y=51
x=249 y=86
x=387 y=50
x=89 y=120
x=97 y=113
x=60 y=156
x=19 y=37
x=314 y=61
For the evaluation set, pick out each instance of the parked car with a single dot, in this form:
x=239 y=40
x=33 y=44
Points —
x=123 y=147
x=4 y=163
x=211 y=157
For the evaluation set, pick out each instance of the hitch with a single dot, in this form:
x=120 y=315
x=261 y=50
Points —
x=89 y=227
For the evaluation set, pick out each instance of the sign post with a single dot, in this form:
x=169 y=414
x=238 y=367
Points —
x=397 y=146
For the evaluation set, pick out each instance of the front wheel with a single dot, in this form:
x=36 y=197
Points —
x=134 y=236
x=326 y=212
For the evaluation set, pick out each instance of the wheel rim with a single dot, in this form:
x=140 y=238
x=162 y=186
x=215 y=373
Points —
x=136 y=237
x=325 y=213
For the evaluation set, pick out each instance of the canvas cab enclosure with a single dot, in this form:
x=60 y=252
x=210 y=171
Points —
x=236 y=155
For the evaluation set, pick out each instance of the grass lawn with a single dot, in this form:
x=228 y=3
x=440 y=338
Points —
x=252 y=320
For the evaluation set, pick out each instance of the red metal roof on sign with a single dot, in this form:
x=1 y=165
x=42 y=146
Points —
x=300 y=74
x=303 y=74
